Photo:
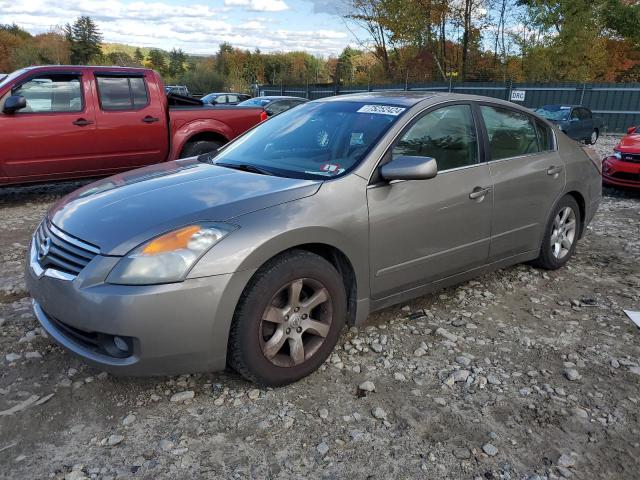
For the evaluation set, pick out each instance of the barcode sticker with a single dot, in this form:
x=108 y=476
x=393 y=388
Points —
x=382 y=110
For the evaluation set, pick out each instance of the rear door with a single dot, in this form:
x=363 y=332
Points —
x=425 y=230
x=131 y=124
x=55 y=133
x=528 y=177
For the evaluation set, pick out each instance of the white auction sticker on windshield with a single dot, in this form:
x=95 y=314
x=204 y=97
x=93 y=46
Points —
x=382 y=110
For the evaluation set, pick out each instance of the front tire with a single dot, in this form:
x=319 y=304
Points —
x=199 y=147
x=561 y=235
x=288 y=319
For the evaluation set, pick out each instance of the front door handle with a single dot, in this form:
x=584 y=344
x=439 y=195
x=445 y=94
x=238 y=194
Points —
x=82 y=122
x=479 y=193
x=554 y=170
x=150 y=119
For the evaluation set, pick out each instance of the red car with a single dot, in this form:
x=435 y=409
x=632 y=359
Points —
x=60 y=122
x=622 y=169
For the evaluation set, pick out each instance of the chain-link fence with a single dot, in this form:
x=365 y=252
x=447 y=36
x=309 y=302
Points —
x=618 y=104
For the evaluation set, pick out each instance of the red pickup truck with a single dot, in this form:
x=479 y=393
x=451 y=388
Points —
x=59 y=122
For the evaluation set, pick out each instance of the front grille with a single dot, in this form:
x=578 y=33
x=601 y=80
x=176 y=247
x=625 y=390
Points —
x=631 y=177
x=630 y=157
x=59 y=253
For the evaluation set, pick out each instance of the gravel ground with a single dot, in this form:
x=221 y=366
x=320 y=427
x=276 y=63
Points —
x=520 y=374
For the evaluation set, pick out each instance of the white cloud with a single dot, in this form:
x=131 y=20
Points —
x=258 y=5
x=196 y=28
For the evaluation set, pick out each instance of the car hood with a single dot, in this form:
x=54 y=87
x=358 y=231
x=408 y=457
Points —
x=118 y=213
x=629 y=143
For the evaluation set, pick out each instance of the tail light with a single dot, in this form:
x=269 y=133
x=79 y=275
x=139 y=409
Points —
x=263 y=116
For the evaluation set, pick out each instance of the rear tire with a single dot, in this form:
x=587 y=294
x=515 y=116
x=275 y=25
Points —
x=561 y=235
x=199 y=147
x=288 y=319
x=593 y=138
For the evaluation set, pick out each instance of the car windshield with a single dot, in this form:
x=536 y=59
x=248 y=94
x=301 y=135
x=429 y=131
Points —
x=554 y=112
x=9 y=78
x=256 y=102
x=313 y=141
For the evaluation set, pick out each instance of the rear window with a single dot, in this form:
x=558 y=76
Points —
x=122 y=93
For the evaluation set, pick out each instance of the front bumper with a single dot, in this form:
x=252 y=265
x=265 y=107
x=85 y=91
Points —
x=170 y=329
x=619 y=173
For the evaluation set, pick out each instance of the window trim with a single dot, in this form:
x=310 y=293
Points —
x=532 y=118
x=55 y=73
x=128 y=77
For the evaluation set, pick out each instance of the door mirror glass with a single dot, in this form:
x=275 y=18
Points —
x=408 y=167
x=14 y=103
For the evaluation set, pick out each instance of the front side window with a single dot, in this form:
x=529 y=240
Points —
x=314 y=140
x=122 y=93
x=511 y=133
x=447 y=134
x=51 y=93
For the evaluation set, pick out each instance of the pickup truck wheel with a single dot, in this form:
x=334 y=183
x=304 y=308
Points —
x=593 y=138
x=199 y=147
x=288 y=319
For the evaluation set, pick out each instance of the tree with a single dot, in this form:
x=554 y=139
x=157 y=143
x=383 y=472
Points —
x=177 y=58
x=85 y=40
x=156 y=60
x=138 y=57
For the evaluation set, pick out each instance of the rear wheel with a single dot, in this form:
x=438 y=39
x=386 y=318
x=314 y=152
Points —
x=561 y=235
x=288 y=319
x=593 y=138
x=199 y=147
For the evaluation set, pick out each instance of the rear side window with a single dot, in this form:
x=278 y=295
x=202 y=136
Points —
x=51 y=93
x=545 y=137
x=511 y=133
x=122 y=93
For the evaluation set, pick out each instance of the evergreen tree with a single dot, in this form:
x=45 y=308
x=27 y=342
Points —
x=177 y=59
x=138 y=57
x=157 y=61
x=84 y=39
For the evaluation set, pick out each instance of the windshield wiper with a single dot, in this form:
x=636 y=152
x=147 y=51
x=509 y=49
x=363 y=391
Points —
x=245 y=167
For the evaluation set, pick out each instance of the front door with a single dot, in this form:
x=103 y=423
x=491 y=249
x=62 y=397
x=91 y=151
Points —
x=528 y=177
x=54 y=134
x=425 y=230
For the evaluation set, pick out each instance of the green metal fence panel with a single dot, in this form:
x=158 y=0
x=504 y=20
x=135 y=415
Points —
x=618 y=104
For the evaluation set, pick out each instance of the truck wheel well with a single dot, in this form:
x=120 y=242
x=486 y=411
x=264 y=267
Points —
x=206 y=136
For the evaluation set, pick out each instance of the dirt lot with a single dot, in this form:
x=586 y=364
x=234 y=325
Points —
x=521 y=374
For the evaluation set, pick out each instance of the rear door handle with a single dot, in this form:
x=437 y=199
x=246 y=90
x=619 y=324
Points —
x=554 y=170
x=150 y=119
x=82 y=122
x=479 y=192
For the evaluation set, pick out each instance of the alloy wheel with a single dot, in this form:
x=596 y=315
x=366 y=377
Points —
x=594 y=137
x=563 y=233
x=296 y=322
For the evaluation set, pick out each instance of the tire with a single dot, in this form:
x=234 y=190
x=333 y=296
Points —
x=554 y=254
x=593 y=138
x=199 y=147
x=256 y=347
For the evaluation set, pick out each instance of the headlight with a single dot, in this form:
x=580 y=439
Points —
x=617 y=154
x=169 y=257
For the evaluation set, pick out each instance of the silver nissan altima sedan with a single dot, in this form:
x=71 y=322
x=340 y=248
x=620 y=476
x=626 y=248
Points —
x=256 y=256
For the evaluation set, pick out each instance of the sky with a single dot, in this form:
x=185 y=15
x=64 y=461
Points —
x=196 y=26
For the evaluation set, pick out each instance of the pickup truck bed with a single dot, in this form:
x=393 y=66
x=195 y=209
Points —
x=91 y=121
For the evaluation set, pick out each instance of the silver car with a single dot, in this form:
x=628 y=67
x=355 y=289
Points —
x=257 y=256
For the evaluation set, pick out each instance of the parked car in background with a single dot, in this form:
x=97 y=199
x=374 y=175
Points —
x=63 y=122
x=576 y=121
x=178 y=90
x=622 y=169
x=224 y=98
x=274 y=105
x=259 y=254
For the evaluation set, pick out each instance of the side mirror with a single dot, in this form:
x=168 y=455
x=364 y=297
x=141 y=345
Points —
x=406 y=167
x=14 y=103
x=630 y=130
x=268 y=112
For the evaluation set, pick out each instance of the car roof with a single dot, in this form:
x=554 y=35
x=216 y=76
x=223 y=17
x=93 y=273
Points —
x=280 y=97
x=113 y=68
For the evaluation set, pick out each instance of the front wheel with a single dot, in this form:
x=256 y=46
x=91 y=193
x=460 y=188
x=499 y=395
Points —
x=288 y=319
x=561 y=235
x=199 y=147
